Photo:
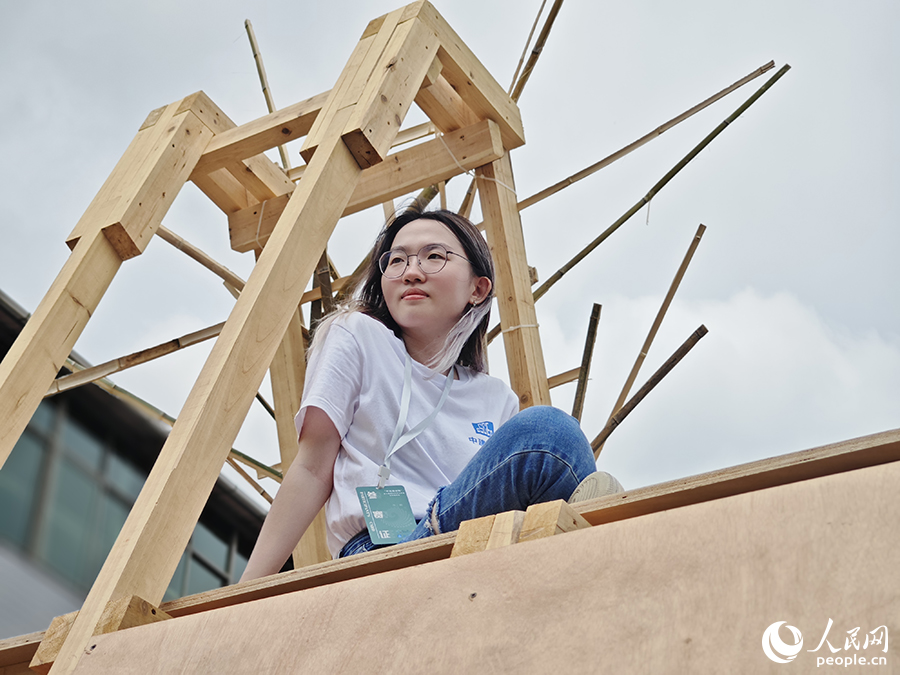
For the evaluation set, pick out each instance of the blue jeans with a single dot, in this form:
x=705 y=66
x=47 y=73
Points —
x=539 y=455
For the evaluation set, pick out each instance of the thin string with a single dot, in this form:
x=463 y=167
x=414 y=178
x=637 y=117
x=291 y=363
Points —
x=521 y=325
x=262 y=210
x=471 y=173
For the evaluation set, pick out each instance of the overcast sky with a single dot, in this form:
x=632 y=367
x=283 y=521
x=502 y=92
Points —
x=796 y=277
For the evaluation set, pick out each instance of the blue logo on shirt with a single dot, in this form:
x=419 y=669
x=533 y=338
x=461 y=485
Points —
x=485 y=429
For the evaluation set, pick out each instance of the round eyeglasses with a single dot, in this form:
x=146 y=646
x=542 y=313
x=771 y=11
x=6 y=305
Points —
x=431 y=259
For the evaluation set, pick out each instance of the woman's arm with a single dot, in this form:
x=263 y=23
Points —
x=303 y=492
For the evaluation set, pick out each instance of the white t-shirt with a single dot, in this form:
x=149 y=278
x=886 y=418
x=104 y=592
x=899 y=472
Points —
x=356 y=377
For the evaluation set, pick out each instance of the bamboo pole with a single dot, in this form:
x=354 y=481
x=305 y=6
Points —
x=581 y=255
x=264 y=81
x=597 y=443
x=94 y=373
x=537 y=18
x=247 y=477
x=660 y=315
x=536 y=51
x=151 y=411
x=468 y=201
x=643 y=140
x=585 y=370
x=193 y=252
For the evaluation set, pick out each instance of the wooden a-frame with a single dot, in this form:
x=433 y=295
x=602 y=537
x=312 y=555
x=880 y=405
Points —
x=407 y=56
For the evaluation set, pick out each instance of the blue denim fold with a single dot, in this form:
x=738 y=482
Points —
x=539 y=455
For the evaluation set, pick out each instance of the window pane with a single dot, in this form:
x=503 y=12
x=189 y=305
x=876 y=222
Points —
x=18 y=484
x=80 y=443
x=112 y=515
x=240 y=564
x=202 y=579
x=174 y=590
x=43 y=417
x=210 y=546
x=67 y=533
x=126 y=478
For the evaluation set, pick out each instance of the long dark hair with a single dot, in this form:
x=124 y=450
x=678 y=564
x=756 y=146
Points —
x=465 y=344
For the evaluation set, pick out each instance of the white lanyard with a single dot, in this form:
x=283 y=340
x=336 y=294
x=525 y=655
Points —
x=398 y=441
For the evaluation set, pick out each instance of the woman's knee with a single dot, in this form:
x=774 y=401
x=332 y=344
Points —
x=546 y=426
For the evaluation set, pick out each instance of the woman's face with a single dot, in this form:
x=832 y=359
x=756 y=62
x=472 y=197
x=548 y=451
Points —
x=426 y=306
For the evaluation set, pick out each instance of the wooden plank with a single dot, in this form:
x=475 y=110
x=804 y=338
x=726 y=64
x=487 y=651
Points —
x=401 y=173
x=472 y=81
x=352 y=78
x=390 y=92
x=549 y=519
x=41 y=348
x=149 y=546
x=785 y=469
x=683 y=591
x=126 y=612
x=473 y=536
x=444 y=107
x=374 y=562
x=16 y=651
x=261 y=134
x=832 y=459
x=521 y=338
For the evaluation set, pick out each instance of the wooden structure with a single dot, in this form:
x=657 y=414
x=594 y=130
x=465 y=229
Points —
x=407 y=56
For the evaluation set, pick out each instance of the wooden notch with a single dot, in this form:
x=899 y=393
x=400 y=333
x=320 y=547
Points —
x=401 y=173
x=489 y=532
x=550 y=518
x=120 y=614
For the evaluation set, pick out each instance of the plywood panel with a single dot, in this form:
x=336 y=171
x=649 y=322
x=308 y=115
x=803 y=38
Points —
x=689 y=590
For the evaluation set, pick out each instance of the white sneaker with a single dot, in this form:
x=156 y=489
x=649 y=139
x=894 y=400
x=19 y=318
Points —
x=598 y=484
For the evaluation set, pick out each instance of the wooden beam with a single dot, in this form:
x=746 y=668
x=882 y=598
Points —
x=353 y=77
x=390 y=92
x=189 y=463
x=563 y=378
x=42 y=346
x=261 y=134
x=521 y=338
x=401 y=173
x=471 y=80
x=444 y=106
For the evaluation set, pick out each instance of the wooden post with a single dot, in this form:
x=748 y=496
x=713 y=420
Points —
x=117 y=225
x=149 y=546
x=527 y=374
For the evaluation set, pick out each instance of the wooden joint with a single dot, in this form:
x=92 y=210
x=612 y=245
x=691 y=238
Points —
x=126 y=612
x=550 y=518
x=487 y=533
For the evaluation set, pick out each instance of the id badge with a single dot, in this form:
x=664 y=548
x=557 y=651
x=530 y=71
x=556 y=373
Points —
x=388 y=514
